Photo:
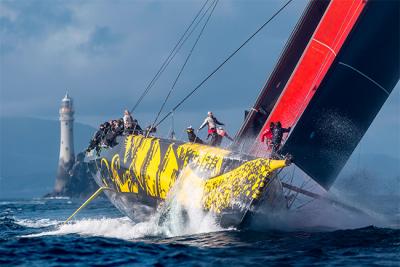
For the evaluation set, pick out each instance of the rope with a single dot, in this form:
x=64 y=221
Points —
x=171 y=55
x=225 y=61
x=213 y=5
x=92 y=197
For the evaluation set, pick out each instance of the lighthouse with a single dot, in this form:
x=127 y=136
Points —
x=67 y=156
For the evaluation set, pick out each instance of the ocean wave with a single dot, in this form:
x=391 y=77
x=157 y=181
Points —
x=57 y=198
x=40 y=223
x=22 y=202
x=121 y=228
x=179 y=215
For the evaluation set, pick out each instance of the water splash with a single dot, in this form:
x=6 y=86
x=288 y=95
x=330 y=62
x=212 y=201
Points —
x=319 y=215
x=180 y=214
x=122 y=228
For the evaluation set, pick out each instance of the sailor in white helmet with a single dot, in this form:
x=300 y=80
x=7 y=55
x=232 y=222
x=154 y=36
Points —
x=212 y=123
x=128 y=120
x=131 y=125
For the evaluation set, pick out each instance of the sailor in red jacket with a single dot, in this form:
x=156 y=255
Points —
x=267 y=134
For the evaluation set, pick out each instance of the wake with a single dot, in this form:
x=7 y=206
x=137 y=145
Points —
x=179 y=215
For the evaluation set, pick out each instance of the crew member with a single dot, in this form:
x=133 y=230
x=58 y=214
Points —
x=95 y=142
x=110 y=138
x=136 y=127
x=212 y=123
x=106 y=130
x=119 y=126
x=131 y=125
x=128 y=122
x=277 y=135
x=192 y=136
x=267 y=134
x=221 y=133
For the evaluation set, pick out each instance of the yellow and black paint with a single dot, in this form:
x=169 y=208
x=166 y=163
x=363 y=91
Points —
x=149 y=167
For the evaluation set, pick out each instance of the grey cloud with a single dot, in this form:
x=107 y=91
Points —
x=106 y=52
x=101 y=41
x=37 y=16
x=32 y=20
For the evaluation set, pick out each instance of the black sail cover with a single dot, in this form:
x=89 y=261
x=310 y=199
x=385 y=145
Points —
x=350 y=96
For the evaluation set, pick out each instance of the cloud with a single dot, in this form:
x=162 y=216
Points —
x=25 y=21
x=105 y=53
x=100 y=41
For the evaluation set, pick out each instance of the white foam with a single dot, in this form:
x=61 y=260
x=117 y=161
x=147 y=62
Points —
x=36 y=223
x=181 y=214
x=122 y=228
x=23 y=202
x=57 y=198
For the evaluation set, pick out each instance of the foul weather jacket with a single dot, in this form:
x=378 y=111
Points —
x=277 y=134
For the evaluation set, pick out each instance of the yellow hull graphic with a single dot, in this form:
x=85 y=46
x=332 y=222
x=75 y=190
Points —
x=149 y=168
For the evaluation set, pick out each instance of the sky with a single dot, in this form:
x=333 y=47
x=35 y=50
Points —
x=104 y=53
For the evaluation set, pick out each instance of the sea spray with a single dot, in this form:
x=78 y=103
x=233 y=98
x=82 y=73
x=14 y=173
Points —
x=320 y=215
x=180 y=214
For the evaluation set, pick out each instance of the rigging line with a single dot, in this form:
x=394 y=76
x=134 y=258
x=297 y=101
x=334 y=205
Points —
x=170 y=57
x=193 y=29
x=213 y=5
x=168 y=60
x=225 y=61
x=181 y=44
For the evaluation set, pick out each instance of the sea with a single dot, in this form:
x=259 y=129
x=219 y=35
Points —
x=33 y=233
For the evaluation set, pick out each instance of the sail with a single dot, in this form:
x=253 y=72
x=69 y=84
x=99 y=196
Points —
x=353 y=51
x=316 y=60
x=287 y=62
x=351 y=94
